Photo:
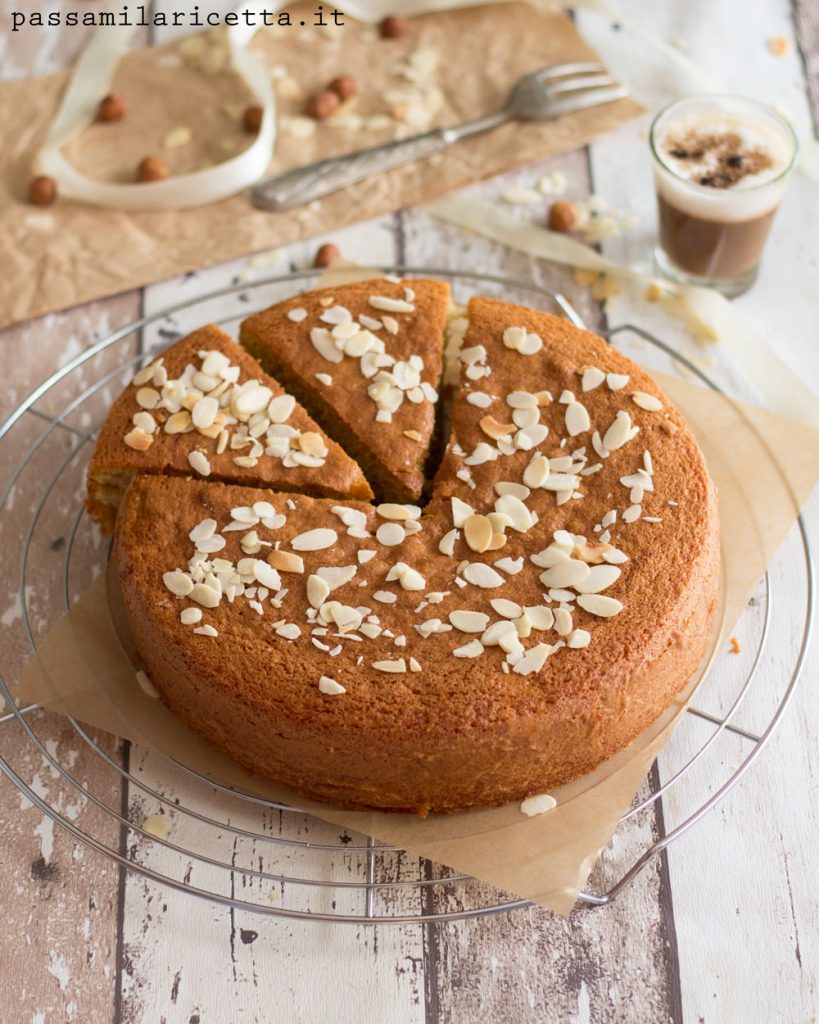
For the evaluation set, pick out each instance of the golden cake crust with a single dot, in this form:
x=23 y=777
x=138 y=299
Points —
x=115 y=461
x=458 y=732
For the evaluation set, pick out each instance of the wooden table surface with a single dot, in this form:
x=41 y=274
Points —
x=721 y=929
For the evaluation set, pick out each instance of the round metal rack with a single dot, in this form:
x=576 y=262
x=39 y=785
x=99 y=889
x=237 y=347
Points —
x=230 y=846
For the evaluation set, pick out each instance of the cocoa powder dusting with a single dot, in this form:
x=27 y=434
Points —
x=724 y=157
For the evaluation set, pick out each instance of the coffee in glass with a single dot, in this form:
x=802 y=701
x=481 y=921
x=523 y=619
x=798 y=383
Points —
x=720 y=168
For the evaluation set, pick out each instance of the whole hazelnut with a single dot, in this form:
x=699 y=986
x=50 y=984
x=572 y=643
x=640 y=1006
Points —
x=327 y=255
x=42 y=191
x=345 y=86
x=152 y=169
x=321 y=104
x=562 y=215
x=393 y=28
x=111 y=108
x=252 y=120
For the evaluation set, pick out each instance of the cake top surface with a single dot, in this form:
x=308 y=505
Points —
x=371 y=354
x=568 y=522
x=204 y=407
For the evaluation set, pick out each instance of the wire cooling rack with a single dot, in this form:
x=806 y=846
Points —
x=230 y=846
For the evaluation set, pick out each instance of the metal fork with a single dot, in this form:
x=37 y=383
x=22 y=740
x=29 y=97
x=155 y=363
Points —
x=539 y=96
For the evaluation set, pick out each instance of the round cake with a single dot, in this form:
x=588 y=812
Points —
x=544 y=604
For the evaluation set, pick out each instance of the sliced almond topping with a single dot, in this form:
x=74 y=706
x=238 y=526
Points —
x=537 y=472
x=312 y=443
x=482 y=575
x=413 y=435
x=565 y=574
x=618 y=433
x=617 y=381
x=190 y=616
x=591 y=553
x=474 y=649
x=330 y=687
x=396 y=665
x=179 y=422
x=592 y=378
x=460 y=512
x=469 y=621
x=577 y=419
x=389 y=510
x=478 y=533
x=541 y=617
x=178 y=583
x=490 y=426
x=148 y=398
x=286 y=561
x=646 y=401
x=314 y=540
x=533 y=660
x=600 y=605
x=447 y=543
x=600 y=577
x=318 y=590
x=506 y=609
x=199 y=462
x=138 y=440
x=578 y=638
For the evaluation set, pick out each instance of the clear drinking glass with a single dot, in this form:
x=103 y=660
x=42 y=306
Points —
x=721 y=164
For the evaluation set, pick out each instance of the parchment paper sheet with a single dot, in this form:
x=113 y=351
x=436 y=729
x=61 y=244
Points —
x=764 y=467
x=70 y=253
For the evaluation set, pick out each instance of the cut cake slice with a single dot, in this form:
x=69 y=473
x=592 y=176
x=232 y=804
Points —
x=205 y=408
x=366 y=360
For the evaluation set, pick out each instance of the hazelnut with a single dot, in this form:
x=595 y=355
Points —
x=111 y=108
x=42 y=191
x=327 y=255
x=152 y=169
x=393 y=28
x=345 y=86
x=321 y=104
x=562 y=215
x=252 y=120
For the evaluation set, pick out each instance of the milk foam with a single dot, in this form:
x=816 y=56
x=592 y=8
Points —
x=751 y=196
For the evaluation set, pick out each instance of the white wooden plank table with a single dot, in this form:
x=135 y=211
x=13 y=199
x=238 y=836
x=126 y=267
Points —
x=721 y=930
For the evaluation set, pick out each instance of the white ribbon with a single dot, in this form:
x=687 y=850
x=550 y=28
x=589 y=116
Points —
x=91 y=80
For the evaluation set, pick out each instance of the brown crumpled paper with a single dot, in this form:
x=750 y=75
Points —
x=70 y=253
x=764 y=467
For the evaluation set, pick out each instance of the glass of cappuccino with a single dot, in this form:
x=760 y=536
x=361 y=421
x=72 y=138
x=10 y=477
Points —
x=721 y=164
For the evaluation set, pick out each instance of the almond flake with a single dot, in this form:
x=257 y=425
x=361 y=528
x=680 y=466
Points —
x=389 y=305
x=474 y=649
x=646 y=401
x=205 y=631
x=577 y=419
x=199 y=462
x=178 y=583
x=490 y=426
x=618 y=433
x=138 y=440
x=533 y=660
x=297 y=315
x=397 y=665
x=600 y=605
x=566 y=573
x=578 y=638
x=482 y=575
x=617 y=381
x=541 y=803
x=506 y=609
x=330 y=687
x=469 y=621
x=592 y=378
x=286 y=561
x=447 y=543
x=478 y=533
x=190 y=616
x=314 y=540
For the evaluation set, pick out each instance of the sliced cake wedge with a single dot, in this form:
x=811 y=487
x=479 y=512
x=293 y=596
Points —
x=365 y=359
x=205 y=408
